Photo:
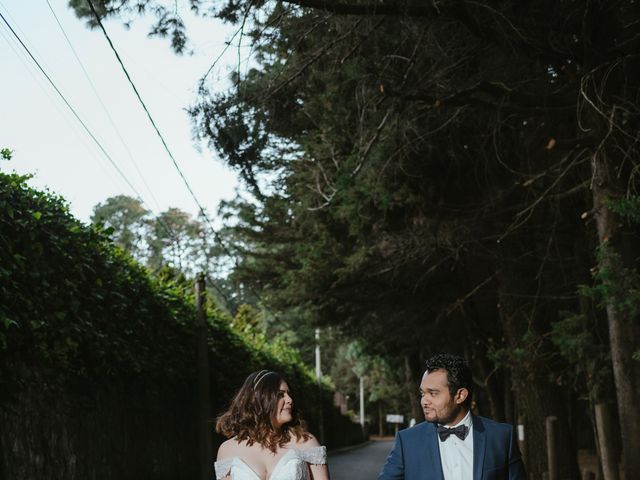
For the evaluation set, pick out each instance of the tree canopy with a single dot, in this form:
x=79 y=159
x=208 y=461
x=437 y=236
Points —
x=440 y=176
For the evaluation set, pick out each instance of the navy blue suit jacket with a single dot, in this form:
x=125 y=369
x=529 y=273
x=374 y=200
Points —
x=416 y=453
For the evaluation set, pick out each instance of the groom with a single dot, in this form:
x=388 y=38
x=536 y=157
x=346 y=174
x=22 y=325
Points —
x=453 y=444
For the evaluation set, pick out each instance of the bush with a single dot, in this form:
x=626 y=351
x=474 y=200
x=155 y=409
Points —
x=84 y=329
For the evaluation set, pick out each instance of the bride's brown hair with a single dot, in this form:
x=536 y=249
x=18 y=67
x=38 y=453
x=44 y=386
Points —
x=252 y=414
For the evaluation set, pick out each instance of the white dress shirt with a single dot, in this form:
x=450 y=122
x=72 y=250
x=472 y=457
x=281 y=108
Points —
x=456 y=455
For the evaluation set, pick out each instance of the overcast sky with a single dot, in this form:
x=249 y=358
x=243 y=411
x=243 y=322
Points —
x=49 y=142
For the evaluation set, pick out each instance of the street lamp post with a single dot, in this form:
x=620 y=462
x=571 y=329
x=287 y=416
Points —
x=362 y=402
x=319 y=383
x=318 y=369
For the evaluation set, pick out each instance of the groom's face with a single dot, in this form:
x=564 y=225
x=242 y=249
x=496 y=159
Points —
x=437 y=403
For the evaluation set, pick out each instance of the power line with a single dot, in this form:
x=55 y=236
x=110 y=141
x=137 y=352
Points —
x=66 y=102
x=166 y=147
x=84 y=125
x=155 y=127
x=102 y=104
x=161 y=222
x=31 y=70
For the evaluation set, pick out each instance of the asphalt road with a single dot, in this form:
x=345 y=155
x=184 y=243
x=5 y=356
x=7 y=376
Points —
x=362 y=463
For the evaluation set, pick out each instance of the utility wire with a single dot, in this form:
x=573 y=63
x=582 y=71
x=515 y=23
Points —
x=30 y=69
x=38 y=80
x=84 y=125
x=102 y=104
x=161 y=222
x=73 y=111
x=166 y=147
x=155 y=127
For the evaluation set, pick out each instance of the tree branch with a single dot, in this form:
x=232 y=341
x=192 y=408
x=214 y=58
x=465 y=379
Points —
x=494 y=95
x=341 y=8
x=458 y=11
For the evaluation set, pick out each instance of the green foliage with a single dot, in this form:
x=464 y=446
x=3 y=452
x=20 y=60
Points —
x=423 y=184
x=247 y=320
x=6 y=154
x=173 y=239
x=613 y=280
x=76 y=305
x=251 y=326
x=614 y=283
x=168 y=21
x=628 y=207
x=519 y=355
x=577 y=340
x=382 y=380
x=127 y=221
x=77 y=310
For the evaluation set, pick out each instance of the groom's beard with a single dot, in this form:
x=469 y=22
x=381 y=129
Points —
x=445 y=415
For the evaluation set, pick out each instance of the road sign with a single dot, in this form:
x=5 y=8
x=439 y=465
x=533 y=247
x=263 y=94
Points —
x=394 y=418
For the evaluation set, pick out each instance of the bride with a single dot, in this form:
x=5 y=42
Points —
x=267 y=438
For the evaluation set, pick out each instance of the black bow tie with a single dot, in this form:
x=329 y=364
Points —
x=460 y=431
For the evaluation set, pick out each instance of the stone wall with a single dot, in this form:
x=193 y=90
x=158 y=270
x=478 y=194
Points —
x=119 y=434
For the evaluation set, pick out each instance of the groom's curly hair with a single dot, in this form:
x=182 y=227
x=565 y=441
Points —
x=252 y=413
x=458 y=373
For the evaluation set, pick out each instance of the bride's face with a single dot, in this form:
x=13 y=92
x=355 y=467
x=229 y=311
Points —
x=284 y=405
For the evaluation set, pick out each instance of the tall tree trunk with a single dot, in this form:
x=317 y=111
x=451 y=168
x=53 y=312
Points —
x=490 y=386
x=483 y=376
x=507 y=393
x=412 y=389
x=606 y=442
x=477 y=321
x=536 y=398
x=623 y=330
x=601 y=392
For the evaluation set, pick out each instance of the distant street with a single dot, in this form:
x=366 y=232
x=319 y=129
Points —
x=362 y=463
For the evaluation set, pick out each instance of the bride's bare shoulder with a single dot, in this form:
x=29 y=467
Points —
x=309 y=442
x=230 y=448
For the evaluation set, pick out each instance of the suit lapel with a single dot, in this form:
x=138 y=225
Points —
x=431 y=464
x=479 y=445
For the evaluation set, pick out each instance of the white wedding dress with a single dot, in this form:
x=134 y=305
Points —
x=291 y=466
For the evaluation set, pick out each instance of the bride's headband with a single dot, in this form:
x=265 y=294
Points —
x=261 y=374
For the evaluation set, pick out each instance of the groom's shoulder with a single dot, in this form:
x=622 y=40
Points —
x=417 y=430
x=492 y=425
x=490 y=422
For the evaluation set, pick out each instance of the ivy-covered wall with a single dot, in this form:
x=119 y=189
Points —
x=97 y=358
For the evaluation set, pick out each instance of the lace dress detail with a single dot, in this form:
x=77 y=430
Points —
x=223 y=467
x=291 y=466
x=314 y=455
